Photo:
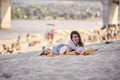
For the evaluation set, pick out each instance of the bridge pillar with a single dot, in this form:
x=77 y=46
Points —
x=110 y=11
x=5 y=14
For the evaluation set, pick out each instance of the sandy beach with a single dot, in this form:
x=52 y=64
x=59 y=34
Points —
x=101 y=65
x=28 y=65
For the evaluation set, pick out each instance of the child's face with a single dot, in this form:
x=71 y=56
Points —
x=75 y=39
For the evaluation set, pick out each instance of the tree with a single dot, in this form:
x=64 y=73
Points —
x=17 y=13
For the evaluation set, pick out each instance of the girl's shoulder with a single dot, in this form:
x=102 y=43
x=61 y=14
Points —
x=70 y=43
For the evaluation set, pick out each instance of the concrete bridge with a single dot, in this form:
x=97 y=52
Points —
x=110 y=12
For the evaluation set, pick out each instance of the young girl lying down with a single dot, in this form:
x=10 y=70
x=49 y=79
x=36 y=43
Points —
x=75 y=46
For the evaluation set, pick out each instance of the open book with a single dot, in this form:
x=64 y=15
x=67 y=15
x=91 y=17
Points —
x=81 y=50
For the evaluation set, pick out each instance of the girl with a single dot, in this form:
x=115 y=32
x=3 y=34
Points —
x=75 y=46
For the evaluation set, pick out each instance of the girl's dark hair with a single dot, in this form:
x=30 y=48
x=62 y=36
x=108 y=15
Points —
x=80 y=40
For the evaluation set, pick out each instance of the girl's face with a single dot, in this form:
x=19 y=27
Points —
x=75 y=39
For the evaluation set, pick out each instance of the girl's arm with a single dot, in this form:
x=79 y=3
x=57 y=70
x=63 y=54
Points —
x=68 y=51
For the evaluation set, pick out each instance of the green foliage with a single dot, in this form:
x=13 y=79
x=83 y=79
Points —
x=30 y=12
x=17 y=13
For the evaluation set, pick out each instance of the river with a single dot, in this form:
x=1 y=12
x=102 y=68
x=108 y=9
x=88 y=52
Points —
x=43 y=26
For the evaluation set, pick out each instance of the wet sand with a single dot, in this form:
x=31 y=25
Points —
x=101 y=65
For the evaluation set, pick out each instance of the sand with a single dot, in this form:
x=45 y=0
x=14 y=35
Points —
x=101 y=65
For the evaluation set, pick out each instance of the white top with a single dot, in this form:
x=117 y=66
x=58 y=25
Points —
x=77 y=48
x=72 y=45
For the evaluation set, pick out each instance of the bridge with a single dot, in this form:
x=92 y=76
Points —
x=110 y=12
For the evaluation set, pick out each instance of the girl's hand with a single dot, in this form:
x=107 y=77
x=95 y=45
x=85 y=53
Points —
x=74 y=53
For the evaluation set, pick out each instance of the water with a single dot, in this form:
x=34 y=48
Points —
x=42 y=26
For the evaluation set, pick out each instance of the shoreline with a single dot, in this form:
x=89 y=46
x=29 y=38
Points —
x=38 y=46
